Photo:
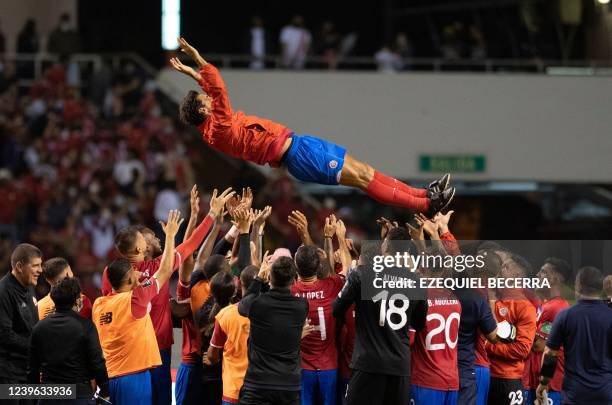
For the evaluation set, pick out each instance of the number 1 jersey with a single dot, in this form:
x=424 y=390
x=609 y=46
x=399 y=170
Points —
x=318 y=349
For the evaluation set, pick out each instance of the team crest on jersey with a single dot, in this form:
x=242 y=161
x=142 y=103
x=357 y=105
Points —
x=546 y=327
x=333 y=164
x=503 y=311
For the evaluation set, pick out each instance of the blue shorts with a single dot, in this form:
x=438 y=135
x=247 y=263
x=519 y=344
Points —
x=342 y=389
x=161 y=380
x=554 y=397
x=188 y=385
x=319 y=387
x=483 y=380
x=428 y=396
x=131 y=389
x=467 y=388
x=314 y=160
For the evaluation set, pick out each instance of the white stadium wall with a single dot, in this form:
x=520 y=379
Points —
x=526 y=127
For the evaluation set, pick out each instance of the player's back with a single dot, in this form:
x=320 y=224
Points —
x=318 y=349
x=382 y=324
x=434 y=362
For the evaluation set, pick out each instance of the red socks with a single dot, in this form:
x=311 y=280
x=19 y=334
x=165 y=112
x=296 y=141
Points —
x=395 y=183
x=388 y=190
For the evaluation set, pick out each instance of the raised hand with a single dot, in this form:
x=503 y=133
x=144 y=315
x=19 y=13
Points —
x=243 y=219
x=442 y=221
x=191 y=51
x=194 y=201
x=330 y=226
x=247 y=198
x=264 y=269
x=218 y=203
x=189 y=71
x=174 y=222
x=416 y=233
x=300 y=222
x=261 y=216
x=430 y=227
x=385 y=226
x=340 y=230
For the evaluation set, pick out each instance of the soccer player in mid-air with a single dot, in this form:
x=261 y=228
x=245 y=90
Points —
x=307 y=158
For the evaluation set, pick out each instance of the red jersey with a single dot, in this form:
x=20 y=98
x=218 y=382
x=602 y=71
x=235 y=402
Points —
x=160 y=305
x=508 y=359
x=242 y=136
x=482 y=358
x=434 y=354
x=531 y=376
x=319 y=348
x=346 y=344
x=191 y=344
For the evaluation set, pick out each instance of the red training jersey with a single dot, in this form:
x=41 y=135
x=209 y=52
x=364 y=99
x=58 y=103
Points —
x=319 y=348
x=191 y=344
x=236 y=134
x=482 y=358
x=508 y=359
x=434 y=354
x=531 y=376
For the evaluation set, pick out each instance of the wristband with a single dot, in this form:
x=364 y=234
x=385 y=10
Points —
x=232 y=233
x=549 y=364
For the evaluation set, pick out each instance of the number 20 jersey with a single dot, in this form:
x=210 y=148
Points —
x=318 y=349
x=434 y=353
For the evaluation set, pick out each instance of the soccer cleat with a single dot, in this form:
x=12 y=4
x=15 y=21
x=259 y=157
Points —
x=441 y=200
x=439 y=185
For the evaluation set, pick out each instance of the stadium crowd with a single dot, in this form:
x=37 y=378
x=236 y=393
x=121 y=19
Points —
x=262 y=324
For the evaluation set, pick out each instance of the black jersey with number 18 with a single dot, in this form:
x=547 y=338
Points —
x=382 y=321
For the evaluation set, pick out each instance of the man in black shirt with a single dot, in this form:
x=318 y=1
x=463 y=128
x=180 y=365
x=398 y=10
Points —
x=277 y=319
x=65 y=348
x=18 y=312
x=381 y=358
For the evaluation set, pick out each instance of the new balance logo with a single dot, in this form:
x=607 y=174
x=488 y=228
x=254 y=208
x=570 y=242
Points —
x=106 y=318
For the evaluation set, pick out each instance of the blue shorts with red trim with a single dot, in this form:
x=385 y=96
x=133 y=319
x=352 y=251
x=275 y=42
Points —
x=314 y=160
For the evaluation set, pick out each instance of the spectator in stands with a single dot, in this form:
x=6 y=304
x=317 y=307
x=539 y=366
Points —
x=64 y=40
x=387 y=60
x=257 y=43
x=28 y=41
x=478 y=47
x=295 y=42
x=2 y=41
x=18 y=313
x=403 y=49
x=327 y=44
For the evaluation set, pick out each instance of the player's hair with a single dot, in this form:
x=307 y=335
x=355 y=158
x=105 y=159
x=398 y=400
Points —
x=117 y=270
x=65 y=293
x=143 y=229
x=222 y=289
x=125 y=240
x=189 y=113
x=490 y=245
x=24 y=253
x=53 y=267
x=215 y=264
x=589 y=281
x=307 y=261
x=248 y=275
x=283 y=272
x=522 y=264
x=396 y=240
x=560 y=267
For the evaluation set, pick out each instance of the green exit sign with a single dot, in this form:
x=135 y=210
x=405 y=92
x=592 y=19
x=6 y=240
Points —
x=453 y=163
